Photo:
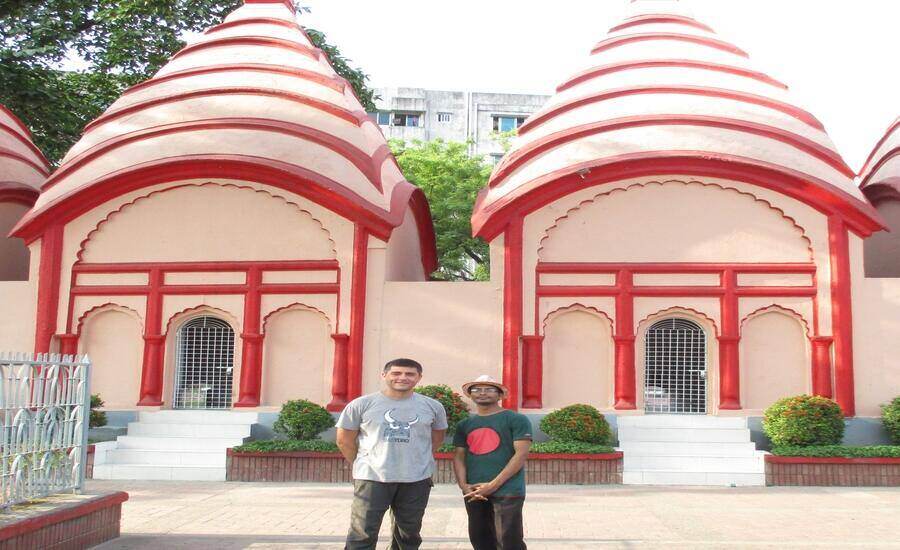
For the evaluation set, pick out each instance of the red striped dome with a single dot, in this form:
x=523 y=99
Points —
x=883 y=164
x=664 y=93
x=23 y=167
x=253 y=99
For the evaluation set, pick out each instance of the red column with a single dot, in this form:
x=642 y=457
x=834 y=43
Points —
x=252 y=339
x=729 y=351
x=512 y=310
x=357 y=312
x=339 y=373
x=624 y=339
x=68 y=344
x=154 y=345
x=841 y=315
x=821 y=365
x=49 y=272
x=532 y=371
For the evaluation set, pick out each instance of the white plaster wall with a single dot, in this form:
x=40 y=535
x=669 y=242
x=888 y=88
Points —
x=112 y=340
x=775 y=360
x=578 y=360
x=19 y=303
x=298 y=355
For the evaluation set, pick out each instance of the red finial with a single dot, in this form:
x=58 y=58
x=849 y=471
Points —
x=288 y=3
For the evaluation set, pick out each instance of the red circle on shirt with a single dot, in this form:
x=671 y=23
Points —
x=482 y=441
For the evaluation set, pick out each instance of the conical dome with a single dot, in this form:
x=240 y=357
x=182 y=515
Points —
x=23 y=167
x=251 y=99
x=883 y=164
x=664 y=92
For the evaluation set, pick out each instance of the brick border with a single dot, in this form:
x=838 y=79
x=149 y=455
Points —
x=832 y=471
x=74 y=525
x=549 y=469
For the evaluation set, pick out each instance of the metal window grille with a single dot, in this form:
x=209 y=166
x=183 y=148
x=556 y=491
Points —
x=675 y=368
x=204 y=351
x=45 y=403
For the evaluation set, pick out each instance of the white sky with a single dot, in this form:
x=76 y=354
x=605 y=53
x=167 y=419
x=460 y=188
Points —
x=840 y=58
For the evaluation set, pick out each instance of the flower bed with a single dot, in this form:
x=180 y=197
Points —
x=834 y=465
x=288 y=461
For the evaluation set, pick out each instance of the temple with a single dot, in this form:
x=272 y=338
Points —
x=671 y=237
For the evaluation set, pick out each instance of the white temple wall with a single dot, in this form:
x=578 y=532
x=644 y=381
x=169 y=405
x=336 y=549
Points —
x=17 y=316
x=298 y=355
x=775 y=360
x=112 y=339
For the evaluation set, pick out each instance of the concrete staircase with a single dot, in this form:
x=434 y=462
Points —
x=689 y=450
x=175 y=445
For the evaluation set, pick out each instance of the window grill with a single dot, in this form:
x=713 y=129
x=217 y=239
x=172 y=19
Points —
x=204 y=351
x=675 y=368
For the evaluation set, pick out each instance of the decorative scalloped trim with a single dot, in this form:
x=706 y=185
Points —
x=557 y=221
x=777 y=308
x=189 y=312
x=575 y=307
x=676 y=310
x=300 y=307
x=108 y=306
x=82 y=246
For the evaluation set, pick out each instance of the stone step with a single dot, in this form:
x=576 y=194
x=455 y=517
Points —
x=670 y=477
x=178 y=443
x=197 y=417
x=170 y=457
x=664 y=448
x=216 y=431
x=159 y=472
x=687 y=435
x=710 y=464
x=680 y=421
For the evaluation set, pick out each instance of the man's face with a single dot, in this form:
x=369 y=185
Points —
x=484 y=394
x=401 y=378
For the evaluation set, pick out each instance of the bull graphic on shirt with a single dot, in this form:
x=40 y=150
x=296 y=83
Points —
x=397 y=431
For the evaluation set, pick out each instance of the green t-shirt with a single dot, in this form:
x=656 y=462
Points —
x=488 y=441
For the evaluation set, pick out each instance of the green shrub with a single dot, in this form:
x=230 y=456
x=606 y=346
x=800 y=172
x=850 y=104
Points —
x=453 y=403
x=890 y=417
x=577 y=423
x=303 y=420
x=287 y=445
x=570 y=447
x=98 y=418
x=871 y=451
x=804 y=420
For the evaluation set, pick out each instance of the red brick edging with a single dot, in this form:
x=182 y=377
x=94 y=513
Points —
x=832 y=471
x=551 y=469
x=78 y=525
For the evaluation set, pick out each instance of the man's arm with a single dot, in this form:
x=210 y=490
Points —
x=522 y=447
x=437 y=439
x=348 y=443
x=459 y=468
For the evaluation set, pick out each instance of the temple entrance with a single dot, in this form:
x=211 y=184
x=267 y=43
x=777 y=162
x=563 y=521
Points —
x=675 y=368
x=204 y=355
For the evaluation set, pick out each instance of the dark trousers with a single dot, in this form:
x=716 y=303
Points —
x=496 y=523
x=371 y=499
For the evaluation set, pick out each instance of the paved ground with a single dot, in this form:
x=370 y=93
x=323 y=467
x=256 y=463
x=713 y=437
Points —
x=281 y=516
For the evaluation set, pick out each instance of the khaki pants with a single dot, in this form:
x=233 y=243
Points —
x=371 y=499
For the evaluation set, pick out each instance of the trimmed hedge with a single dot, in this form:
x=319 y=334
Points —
x=804 y=420
x=453 y=403
x=581 y=423
x=571 y=447
x=302 y=419
x=839 y=451
x=890 y=417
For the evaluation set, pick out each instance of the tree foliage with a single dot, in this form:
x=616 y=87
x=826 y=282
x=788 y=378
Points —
x=110 y=45
x=450 y=180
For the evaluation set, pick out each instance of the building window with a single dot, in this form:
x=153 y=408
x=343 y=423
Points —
x=444 y=117
x=381 y=118
x=406 y=119
x=204 y=363
x=496 y=158
x=507 y=123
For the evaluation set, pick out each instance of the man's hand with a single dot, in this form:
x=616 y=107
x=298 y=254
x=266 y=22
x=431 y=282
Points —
x=467 y=489
x=480 y=491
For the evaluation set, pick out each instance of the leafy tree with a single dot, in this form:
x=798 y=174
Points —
x=451 y=180
x=114 y=45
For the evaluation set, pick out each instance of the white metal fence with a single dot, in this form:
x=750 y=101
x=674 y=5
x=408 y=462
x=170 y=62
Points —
x=45 y=406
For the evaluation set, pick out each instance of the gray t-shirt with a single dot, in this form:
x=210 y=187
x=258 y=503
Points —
x=394 y=436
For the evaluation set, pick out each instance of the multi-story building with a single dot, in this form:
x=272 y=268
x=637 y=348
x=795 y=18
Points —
x=475 y=117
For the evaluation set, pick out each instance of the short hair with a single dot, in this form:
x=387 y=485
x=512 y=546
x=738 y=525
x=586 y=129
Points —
x=403 y=362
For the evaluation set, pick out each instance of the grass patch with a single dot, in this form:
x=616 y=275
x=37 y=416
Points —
x=840 y=451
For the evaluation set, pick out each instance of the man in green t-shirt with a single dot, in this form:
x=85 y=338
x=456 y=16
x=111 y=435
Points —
x=489 y=463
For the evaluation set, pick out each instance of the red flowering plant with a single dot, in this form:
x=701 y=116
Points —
x=453 y=403
x=582 y=423
x=804 y=420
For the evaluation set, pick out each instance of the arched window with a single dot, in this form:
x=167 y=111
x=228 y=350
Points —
x=204 y=355
x=675 y=368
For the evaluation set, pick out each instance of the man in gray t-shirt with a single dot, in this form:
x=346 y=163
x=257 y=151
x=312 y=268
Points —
x=390 y=437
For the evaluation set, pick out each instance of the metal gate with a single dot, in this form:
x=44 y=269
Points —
x=204 y=351
x=675 y=368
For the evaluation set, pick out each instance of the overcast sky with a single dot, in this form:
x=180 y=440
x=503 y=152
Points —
x=839 y=58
